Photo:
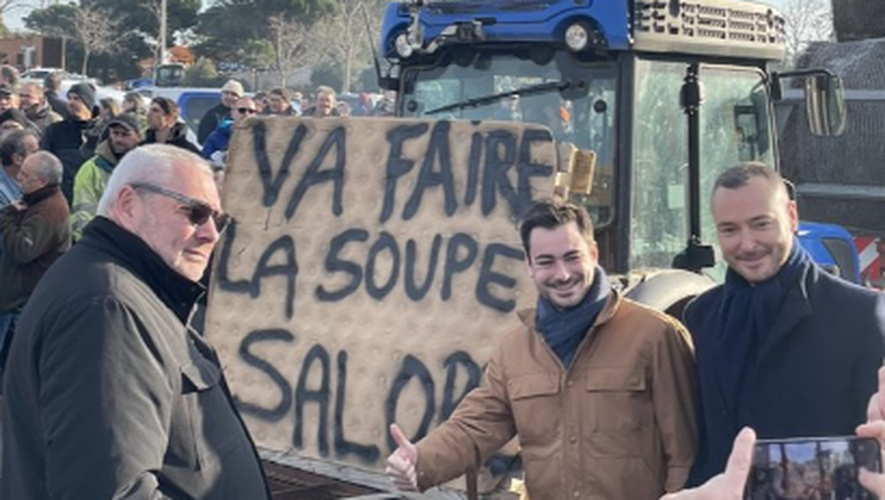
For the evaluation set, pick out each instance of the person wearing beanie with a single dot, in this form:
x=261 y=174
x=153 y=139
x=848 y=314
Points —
x=68 y=139
x=85 y=93
x=230 y=93
x=123 y=135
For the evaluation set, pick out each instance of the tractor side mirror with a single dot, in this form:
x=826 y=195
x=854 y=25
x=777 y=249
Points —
x=825 y=104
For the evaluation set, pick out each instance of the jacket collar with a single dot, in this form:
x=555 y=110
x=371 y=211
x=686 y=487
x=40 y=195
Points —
x=41 y=194
x=527 y=316
x=177 y=292
x=106 y=160
x=178 y=132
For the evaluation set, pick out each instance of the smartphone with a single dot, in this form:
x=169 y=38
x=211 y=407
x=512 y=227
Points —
x=812 y=468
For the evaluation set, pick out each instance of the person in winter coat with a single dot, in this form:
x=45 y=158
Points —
x=218 y=140
x=92 y=177
x=230 y=93
x=279 y=103
x=35 y=234
x=69 y=139
x=36 y=108
x=164 y=127
x=782 y=346
x=599 y=389
x=51 y=86
x=109 y=393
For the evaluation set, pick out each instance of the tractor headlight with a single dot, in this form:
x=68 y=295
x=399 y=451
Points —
x=576 y=37
x=404 y=46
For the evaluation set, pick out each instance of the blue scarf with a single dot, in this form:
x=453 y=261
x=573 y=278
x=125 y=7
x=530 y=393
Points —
x=563 y=330
x=748 y=311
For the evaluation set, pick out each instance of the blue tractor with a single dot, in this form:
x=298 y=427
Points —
x=667 y=95
x=833 y=248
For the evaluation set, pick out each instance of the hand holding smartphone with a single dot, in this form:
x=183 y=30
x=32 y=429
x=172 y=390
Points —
x=812 y=469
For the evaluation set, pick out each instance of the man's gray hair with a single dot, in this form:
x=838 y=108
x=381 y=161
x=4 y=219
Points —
x=48 y=167
x=154 y=163
x=13 y=143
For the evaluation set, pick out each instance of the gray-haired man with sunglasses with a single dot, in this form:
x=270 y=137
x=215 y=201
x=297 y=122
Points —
x=108 y=393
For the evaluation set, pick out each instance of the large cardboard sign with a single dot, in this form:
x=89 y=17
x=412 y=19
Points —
x=373 y=267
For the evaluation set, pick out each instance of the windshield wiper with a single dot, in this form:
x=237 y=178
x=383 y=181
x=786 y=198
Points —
x=475 y=102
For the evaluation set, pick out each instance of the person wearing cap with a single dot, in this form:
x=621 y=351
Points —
x=163 y=126
x=134 y=104
x=8 y=97
x=92 y=178
x=230 y=92
x=36 y=108
x=67 y=139
x=219 y=139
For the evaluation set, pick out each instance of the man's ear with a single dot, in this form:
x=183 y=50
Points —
x=793 y=214
x=126 y=208
x=593 y=249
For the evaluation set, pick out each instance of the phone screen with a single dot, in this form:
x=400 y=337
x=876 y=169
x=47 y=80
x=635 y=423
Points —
x=812 y=469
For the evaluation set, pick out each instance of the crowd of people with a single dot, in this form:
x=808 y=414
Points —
x=108 y=220
x=218 y=124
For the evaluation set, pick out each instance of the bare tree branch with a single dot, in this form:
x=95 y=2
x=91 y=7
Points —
x=155 y=7
x=292 y=43
x=7 y=5
x=342 y=36
x=807 y=21
x=96 y=31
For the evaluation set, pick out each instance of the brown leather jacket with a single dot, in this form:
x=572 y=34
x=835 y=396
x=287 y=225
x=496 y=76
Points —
x=618 y=425
x=33 y=239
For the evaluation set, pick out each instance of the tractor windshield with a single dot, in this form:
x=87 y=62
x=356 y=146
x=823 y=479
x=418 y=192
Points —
x=575 y=99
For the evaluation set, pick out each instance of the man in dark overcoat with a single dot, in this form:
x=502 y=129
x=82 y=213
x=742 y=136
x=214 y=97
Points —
x=782 y=346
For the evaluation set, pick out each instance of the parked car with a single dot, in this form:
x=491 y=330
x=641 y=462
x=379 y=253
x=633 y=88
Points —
x=37 y=75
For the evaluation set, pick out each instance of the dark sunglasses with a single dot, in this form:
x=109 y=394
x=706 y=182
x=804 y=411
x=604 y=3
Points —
x=197 y=212
x=247 y=111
